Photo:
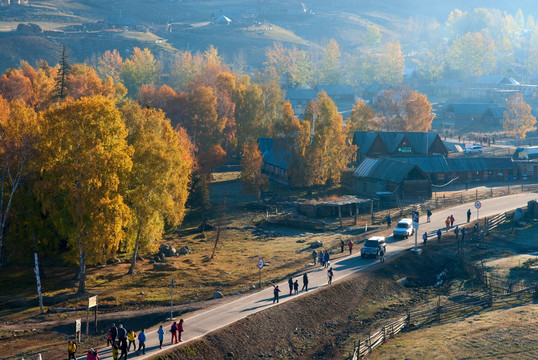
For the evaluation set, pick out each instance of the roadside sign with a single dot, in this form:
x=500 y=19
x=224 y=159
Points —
x=477 y=204
x=92 y=302
x=415 y=220
x=78 y=329
x=260 y=263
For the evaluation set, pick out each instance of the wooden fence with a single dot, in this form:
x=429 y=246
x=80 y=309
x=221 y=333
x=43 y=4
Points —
x=456 y=306
x=376 y=214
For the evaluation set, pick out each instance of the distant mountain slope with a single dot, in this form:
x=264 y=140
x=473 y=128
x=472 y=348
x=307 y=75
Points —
x=255 y=24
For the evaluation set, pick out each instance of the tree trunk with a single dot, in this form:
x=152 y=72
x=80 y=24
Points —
x=82 y=270
x=37 y=271
x=135 y=252
x=38 y=282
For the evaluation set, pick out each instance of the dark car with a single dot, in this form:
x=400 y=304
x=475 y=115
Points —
x=372 y=247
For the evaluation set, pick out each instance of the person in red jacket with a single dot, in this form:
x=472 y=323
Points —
x=180 y=328
x=173 y=330
x=350 y=245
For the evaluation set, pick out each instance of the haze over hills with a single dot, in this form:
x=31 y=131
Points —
x=89 y=28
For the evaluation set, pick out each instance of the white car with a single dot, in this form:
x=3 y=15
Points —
x=475 y=149
x=404 y=228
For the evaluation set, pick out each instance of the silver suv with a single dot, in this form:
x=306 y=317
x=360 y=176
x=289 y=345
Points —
x=404 y=228
x=373 y=246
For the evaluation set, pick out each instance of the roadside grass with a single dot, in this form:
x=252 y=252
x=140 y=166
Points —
x=196 y=275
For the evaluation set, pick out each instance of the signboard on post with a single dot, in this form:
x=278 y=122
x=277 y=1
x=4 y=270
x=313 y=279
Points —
x=172 y=300
x=416 y=217
x=92 y=303
x=477 y=205
x=260 y=265
x=78 y=328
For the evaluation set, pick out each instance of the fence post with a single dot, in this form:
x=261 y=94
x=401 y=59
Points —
x=392 y=331
x=508 y=189
x=491 y=192
x=461 y=198
x=476 y=194
x=359 y=350
x=369 y=343
x=490 y=300
x=384 y=334
x=372 y=209
x=444 y=199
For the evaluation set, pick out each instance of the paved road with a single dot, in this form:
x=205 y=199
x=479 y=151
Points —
x=200 y=324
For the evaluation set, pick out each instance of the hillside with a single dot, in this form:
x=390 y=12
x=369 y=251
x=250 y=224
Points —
x=167 y=26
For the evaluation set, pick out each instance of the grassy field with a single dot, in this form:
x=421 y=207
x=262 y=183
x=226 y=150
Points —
x=510 y=333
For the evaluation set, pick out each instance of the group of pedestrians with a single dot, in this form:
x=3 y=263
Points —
x=449 y=223
x=121 y=340
x=293 y=285
x=322 y=257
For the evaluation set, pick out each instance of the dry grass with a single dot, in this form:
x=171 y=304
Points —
x=501 y=334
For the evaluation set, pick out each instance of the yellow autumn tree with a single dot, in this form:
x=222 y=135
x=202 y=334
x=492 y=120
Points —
x=361 y=119
x=84 y=160
x=518 y=120
x=19 y=131
x=158 y=184
x=251 y=173
x=328 y=153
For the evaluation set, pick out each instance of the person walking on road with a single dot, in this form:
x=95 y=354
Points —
x=305 y=282
x=389 y=220
x=123 y=348
x=131 y=336
x=314 y=256
x=112 y=335
x=330 y=275
x=447 y=223
x=439 y=235
x=425 y=238
x=428 y=215
x=173 y=330
x=296 y=287
x=160 y=332
x=290 y=284
x=92 y=355
x=276 y=290
x=350 y=246
x=180 y=329
x=468 y=215
x=326 y=258
x=452 y=220
x=341 y=245
x=141 y=342
x=382 y=255
x=71 y=350
x=320 y=258
x=115 y=352
x=463 y=232
x=122 y=333
x=456 y=231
